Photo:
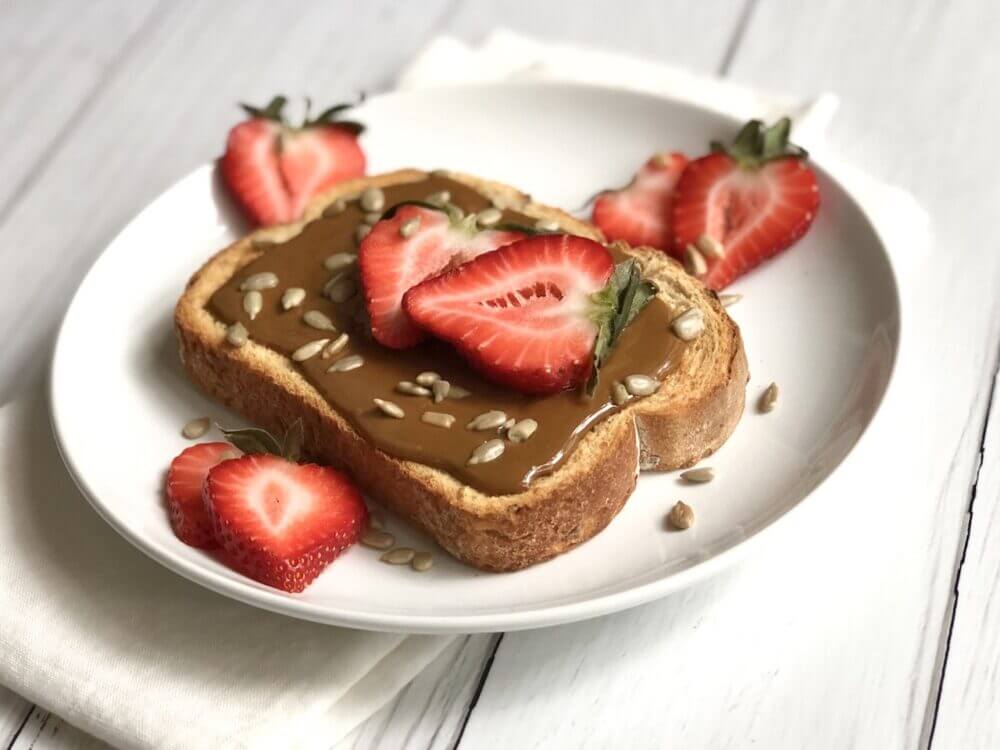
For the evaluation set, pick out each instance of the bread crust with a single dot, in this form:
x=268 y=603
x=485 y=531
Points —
x=694 y=412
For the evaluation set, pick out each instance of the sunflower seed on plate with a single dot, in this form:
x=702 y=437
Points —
x=729 y=299
x=710 y=247
x=641 y=385
x=427 y=378
x=491 y=450
x=422 y=561
x=307 y=351
x=398 y=556
x=440 y=389
x=337 y=207
x=259 y=281
x=372 y=199
x=361 y=232
x=319 y=321
x=253 y=303
x=237 y=335
x=438 y=419
x=488 y=420
x=340 y=289
x=694 y=261
x=439 y=198
x=488 y=217
x=350 y=362
x=412 y=389
x=196 y=428
x=375 y=520
x=698 y=476
x=768 y=399
x=409 y=227
x=377 y=539
x=619 y=394
x=689 y=325
x=547 y=225
x=681 y=516
x=292 y=297
x=389 y=408
x=522 y=430
x=339 y=261
x=457 y=392
x=335 y=347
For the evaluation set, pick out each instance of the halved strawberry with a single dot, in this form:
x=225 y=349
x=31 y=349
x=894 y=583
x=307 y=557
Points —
x=745 y=203
x=640 y=212
x=279 y=522
x=393 y=259
x=185 y=478
x=535 y=315
x=274 y=168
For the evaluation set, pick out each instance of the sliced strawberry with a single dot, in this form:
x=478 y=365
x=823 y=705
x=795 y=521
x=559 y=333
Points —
x=639 y=213
x=391 y=264
x=279 y=522
x=185 y=478
x=523 y=315
x=754 y=199
x=274 y=169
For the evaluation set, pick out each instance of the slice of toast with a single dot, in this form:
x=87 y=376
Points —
x=692 y=414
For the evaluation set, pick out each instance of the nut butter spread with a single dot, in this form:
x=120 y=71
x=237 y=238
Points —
x=646 y=347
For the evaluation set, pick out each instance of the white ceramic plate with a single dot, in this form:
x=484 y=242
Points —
x=822 y=320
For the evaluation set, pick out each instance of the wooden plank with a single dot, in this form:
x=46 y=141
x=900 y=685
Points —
x=14 y=712
x=46 y=731
x=834 y=637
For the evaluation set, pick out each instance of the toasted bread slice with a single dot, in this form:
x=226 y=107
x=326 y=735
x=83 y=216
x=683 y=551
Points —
x=691 y=415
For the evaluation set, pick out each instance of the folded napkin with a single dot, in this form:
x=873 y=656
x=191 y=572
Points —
x=112 y=642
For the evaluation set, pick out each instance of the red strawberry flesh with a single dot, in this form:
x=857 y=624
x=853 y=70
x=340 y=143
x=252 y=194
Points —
x=282 y=523
x=185 y=478
x=521 y=314
x=315 y=159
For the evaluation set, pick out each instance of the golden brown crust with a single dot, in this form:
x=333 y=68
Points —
x=693 y=413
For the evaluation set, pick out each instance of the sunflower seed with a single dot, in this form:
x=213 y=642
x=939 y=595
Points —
x=398 y=556
x=306 y=351
x=335 y=347
x=641 y=385
x=260 y=243
x=427 y=378
x=619 y=394
x=522 y=430
x=412 y=389
x=372 y=199
x=694 y=261
x=361 y=232
x=698 y=476
x=439 y=198
x=455 y=213
x=351 y=362
x=489 y=420
x=681 y=516
x=440 y=390
x=375 y=520
x=507 y=425
x=253 y=303
x=729 y=299
x=457 y=392
x=768 y=399
x=236 y=334
x=422 y=561
x=292 y=297
x=491 y=450
x=319 y=321
x=340 y=289
x=689 y=325
x=196 y=428
x=409 y=227
x=373 y=218
x=339 y=261
x=438 y=419
x=488 y=217
x=259 y=281
x=547 y=225
x=710 y=247
x=661 y=159
x=377 y=539
x=337 y=207
x=389 y=408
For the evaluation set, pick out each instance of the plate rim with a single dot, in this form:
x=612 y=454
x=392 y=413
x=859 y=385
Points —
x=544 y=616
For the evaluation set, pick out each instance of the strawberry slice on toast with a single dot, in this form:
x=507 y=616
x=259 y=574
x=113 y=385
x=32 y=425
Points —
x=744 y=203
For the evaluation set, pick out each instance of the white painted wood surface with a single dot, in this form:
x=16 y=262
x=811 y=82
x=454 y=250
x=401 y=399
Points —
x=835 y=638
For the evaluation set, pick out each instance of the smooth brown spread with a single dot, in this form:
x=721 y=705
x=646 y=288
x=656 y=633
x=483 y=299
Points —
x=646 y=347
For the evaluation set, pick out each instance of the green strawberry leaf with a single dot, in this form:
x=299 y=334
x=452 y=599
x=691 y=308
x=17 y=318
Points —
x=755 y=144
x=273 y=110
x=256 y=440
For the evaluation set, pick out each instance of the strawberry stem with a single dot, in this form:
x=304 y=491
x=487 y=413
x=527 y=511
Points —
x=274 y=111
x=256 y=440
x=755 y=145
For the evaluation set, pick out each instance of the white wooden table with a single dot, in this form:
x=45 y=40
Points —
x=880 y=634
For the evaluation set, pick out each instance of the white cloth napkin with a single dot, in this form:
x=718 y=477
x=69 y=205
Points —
x=126 y=650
